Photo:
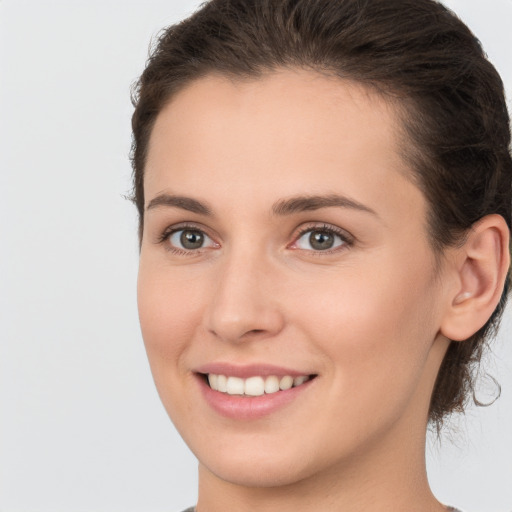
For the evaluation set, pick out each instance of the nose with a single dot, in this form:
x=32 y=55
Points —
x=244 y=305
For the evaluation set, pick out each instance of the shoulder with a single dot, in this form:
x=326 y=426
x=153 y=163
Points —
x=193 y=509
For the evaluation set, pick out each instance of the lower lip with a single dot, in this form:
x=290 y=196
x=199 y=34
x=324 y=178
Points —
x=250 y=407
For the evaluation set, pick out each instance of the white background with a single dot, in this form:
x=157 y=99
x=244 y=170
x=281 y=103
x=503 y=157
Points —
x=81 y=427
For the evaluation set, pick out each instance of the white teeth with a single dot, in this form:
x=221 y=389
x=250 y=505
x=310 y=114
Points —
x=299 y=380
x=271 y=384
x=213 y=380
x=235 y=386
x=254 y=386
x=222 y=383
x=286 y=382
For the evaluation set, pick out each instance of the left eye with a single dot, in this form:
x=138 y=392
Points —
x=319 y=240
x=190 y=239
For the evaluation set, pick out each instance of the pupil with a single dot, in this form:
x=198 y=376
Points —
x=191 y=239
x=321 y=240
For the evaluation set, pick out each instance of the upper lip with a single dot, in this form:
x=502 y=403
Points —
x=248 y=370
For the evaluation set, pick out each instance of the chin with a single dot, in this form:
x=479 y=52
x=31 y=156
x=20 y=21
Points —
x=258 y=474
x=264 y=463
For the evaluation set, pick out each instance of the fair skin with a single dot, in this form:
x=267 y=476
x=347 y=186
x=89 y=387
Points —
x=242 y=278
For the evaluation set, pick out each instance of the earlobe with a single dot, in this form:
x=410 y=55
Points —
x=482 y=264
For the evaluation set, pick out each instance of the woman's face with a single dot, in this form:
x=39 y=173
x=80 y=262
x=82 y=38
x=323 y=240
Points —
x=282 y=240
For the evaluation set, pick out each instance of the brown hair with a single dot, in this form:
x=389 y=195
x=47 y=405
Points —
x=416 y=53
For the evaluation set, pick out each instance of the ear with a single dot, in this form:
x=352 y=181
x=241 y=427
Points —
x=480 y=266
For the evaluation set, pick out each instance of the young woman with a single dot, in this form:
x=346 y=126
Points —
x=324 y=191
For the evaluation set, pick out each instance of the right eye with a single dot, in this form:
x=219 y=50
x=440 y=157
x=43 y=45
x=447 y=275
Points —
x=189 y=239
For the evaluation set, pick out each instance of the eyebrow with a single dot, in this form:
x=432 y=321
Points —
x=316 y=202
x=183 y=202
x=282 y=207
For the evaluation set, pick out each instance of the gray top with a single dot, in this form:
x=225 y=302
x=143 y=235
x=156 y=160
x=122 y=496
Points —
x=193 y=509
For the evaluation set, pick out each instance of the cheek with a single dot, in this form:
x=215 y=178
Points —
x=169 y=310
x=369 y=308
x=376 y=329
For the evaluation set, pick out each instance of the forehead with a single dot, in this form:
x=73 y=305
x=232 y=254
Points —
x=286 y=129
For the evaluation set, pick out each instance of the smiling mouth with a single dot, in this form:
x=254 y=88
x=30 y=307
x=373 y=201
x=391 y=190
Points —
x=254 y=386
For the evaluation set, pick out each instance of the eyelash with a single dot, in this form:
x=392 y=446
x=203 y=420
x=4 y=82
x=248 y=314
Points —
x=347 y=239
